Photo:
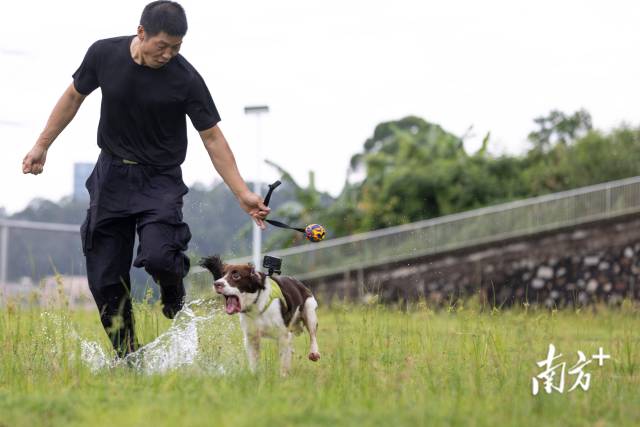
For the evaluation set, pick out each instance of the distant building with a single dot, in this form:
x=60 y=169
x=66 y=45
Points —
x=81 y=172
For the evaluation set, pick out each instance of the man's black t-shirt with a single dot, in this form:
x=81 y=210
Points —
x=143 y=109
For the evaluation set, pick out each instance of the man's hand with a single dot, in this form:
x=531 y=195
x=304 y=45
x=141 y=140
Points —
x=254 y=206
x=34 y=160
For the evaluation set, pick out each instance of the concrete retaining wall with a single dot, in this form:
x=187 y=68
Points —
x=576 y=266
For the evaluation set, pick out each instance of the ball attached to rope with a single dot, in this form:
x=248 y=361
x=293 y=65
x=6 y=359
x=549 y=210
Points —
x=315 y=232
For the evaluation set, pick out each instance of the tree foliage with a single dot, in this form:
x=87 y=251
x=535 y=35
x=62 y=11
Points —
x=414 y=170
x=411 y=170
x=559 y=128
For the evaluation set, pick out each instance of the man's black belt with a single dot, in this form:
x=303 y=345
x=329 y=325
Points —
x=120 y=159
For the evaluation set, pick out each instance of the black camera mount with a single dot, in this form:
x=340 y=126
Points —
x=272 y=264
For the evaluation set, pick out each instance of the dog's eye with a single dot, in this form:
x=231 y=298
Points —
x=235 y=275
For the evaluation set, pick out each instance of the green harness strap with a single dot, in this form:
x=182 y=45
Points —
x=276 y=293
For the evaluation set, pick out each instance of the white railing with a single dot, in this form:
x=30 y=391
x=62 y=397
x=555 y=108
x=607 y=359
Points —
x=460 y=230
x=427 y=237
x=7 y=224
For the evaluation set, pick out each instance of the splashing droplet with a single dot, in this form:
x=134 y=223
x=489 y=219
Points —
x=179 y=346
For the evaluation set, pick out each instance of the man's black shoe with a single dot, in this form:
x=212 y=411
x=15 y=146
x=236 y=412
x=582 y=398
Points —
x=171 y=309
x=172 y=298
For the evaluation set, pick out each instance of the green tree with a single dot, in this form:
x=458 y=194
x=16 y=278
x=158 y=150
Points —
x=559 y=128
x=407 y=164
x=417 y=170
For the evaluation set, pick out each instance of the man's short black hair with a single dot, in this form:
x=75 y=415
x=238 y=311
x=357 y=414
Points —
x=164 y=15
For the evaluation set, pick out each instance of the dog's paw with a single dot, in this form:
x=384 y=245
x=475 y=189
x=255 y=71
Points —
x=314 y=357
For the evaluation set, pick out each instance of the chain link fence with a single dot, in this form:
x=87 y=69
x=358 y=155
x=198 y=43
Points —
x=383 y=246
x=457 y=231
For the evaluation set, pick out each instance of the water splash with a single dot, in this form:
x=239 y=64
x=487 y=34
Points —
x=94 y=356
x=178 y=346
x=53 y=333
x=195 y=340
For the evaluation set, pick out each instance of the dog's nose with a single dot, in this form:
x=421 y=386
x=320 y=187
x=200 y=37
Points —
x=218 y=286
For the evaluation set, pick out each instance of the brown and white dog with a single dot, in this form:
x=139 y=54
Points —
x=271 y=307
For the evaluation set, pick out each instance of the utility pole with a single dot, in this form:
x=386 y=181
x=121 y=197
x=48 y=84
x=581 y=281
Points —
x=257 y=111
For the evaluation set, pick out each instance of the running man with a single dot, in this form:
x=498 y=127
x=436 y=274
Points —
x=148 y=89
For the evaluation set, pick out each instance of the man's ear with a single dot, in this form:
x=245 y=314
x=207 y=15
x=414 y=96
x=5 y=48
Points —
x=214 y=265
x=140 y=32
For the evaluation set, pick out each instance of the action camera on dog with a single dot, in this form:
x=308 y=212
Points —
x=272 y=264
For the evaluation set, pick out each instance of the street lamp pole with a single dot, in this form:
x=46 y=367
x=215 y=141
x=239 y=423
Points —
x=257 y=111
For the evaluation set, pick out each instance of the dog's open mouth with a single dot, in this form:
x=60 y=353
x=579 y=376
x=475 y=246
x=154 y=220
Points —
x=231 y=304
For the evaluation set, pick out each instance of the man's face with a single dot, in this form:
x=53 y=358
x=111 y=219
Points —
x=158 y=50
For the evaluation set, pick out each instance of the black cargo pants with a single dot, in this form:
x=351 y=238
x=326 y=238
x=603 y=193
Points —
x=125 y=197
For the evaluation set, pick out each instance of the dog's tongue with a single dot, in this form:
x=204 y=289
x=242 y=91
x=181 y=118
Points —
x=232 y=305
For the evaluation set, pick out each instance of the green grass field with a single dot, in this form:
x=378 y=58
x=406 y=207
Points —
x=380 y=366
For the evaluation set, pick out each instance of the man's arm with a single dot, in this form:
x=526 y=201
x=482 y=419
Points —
x=225 y=164
x=64 y=111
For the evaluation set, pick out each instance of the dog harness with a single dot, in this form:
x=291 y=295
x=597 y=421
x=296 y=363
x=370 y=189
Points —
x=276 y=293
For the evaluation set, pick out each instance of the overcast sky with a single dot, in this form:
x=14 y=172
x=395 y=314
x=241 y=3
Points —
x=330 y=71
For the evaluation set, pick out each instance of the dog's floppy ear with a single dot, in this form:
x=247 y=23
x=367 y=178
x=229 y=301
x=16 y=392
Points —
x=256 y=278
x=213 y=264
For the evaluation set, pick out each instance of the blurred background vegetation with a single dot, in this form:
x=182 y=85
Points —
x=408 y=170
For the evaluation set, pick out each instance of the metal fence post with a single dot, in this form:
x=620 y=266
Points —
x=4 y=253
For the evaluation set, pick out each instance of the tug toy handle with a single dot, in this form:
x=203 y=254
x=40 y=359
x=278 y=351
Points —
x=271 y=188
x=312 y=232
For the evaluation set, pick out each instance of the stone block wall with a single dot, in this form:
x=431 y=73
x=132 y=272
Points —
x=599 y=261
